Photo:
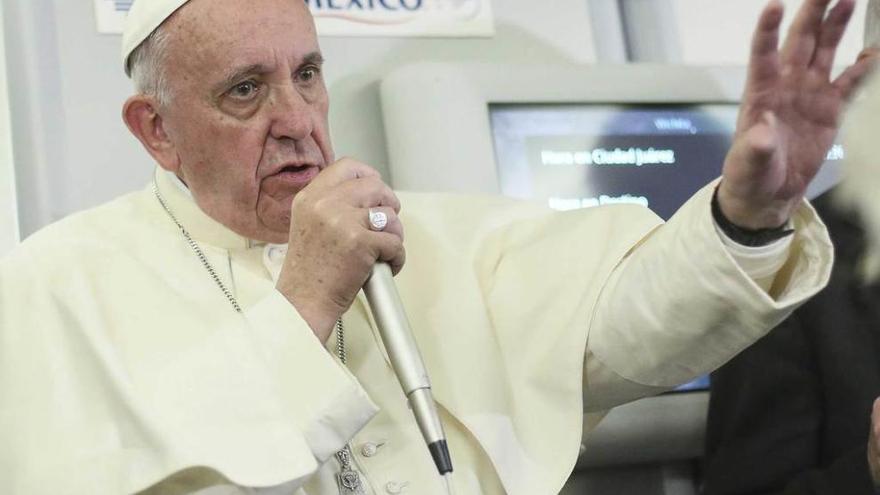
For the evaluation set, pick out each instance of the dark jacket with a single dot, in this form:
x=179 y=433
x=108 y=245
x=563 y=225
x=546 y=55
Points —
x=791 y=414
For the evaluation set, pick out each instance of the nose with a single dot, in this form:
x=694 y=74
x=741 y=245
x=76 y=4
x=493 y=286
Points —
x=292 y=115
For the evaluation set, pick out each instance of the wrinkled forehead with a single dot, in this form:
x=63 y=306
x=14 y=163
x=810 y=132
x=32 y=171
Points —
x=211 y=36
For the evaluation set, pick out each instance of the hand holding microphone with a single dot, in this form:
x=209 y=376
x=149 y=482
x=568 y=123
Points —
x=333 y=246
x=345 y=235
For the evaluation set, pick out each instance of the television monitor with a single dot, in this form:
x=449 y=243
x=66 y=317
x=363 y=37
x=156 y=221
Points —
x=586 y=154
x=454 y=126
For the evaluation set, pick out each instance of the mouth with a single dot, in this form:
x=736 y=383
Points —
x=297 y=175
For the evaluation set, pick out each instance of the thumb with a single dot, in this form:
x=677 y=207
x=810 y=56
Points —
x=760 y=142
x=754 y=150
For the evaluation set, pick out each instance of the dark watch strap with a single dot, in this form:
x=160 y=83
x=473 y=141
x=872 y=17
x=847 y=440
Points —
x=743 y=236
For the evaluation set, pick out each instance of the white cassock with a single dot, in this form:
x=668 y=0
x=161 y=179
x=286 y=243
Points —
x=123 y=367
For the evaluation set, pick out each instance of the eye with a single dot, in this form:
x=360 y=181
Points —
x=245 y=90
x=308 y=74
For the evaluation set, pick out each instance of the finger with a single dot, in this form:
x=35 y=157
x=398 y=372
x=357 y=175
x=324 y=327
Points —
x=389 y=248
x=852 y=78
x=367 y=192
x=875 y=424
x=392 y=223
x=804 y=32
x=344 y=170
x=764 y=57
x=832 y=32
x=759 y=143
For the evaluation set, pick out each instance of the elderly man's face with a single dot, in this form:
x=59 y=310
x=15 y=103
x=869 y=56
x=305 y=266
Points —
x=248 y=113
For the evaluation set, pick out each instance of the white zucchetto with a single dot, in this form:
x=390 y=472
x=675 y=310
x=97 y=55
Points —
x=143 y=18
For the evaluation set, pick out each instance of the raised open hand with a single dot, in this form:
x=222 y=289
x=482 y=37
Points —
x=790 y=113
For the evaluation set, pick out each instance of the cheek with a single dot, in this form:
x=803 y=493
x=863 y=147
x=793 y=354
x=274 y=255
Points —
x=225 y=157
x=243 y=145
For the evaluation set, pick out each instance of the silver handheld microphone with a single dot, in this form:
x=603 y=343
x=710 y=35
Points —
x=407 y=361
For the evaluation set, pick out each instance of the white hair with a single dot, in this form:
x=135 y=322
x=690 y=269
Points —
x=147 y=66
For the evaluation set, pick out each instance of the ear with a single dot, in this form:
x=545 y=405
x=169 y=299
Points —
x=142 y=117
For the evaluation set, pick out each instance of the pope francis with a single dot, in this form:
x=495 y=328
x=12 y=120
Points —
x=208 y=335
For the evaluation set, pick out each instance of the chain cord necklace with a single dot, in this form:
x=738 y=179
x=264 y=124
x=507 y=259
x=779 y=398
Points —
x=348 y=479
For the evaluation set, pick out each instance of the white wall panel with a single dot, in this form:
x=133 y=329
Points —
x=67 y=88
x=718 y=32
x=8 y=206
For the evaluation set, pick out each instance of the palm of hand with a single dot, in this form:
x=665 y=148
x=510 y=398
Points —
x=790 y=114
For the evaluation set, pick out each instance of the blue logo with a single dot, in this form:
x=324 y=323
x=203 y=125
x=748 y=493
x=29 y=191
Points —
x=122 y=5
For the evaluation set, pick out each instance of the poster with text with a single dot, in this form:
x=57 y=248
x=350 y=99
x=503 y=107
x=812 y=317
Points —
x=400 y=18
x=405 y=18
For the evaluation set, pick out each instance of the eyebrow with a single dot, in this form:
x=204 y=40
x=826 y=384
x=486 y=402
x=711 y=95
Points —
x=313 y=58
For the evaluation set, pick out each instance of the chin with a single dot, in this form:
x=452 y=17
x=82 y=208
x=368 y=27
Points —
x=275 y=229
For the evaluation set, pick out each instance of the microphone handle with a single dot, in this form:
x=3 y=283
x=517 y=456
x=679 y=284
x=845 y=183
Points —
x=406 y=361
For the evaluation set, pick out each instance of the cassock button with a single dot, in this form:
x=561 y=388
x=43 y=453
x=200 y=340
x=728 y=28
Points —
x=277 y=253
x=370 y=449
x=395 y=488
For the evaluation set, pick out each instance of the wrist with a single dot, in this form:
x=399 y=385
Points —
x=319 y=318
x=747 y=235
x=745 y=214
x=873 y=471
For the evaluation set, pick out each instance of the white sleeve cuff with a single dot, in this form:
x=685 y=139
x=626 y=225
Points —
x=758 y=262
x=328 y=400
